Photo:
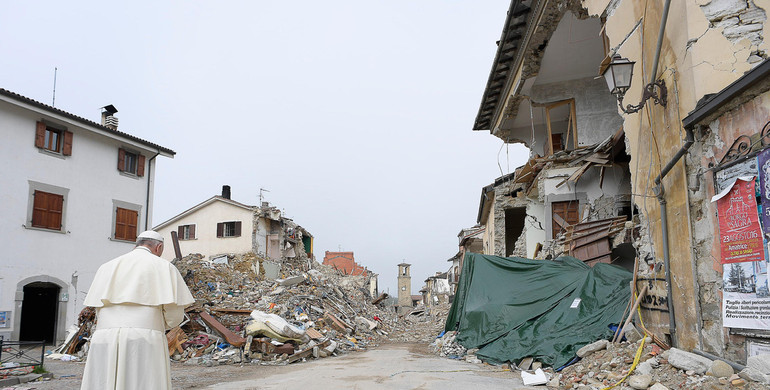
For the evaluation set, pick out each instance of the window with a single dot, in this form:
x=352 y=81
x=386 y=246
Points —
x=560 y=120
x=126 y=224
x=186 y=232
x=229 y=229
x=53 y=140
x=47 y=210
x=130 y=162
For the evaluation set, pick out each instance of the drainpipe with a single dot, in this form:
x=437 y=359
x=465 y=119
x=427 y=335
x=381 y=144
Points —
x=660 y=191
x=147 y=200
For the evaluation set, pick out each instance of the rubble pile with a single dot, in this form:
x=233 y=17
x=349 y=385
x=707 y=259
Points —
x=605 y=363
x=421 y=325
x=241 y=317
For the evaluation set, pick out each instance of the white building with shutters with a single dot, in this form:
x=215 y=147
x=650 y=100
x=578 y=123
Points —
x=75 y=194
x=220 y=226
x=214 y=227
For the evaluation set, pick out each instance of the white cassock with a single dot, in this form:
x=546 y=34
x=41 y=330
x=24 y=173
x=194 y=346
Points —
x=137 y=297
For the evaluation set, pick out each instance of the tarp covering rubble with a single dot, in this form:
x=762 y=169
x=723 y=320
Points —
x=512 y=308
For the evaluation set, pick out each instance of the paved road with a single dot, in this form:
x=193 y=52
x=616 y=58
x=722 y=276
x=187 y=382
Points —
x=390 y=366
x=393 y=366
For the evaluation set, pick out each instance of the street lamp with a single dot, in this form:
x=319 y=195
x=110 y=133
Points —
x=618 y=75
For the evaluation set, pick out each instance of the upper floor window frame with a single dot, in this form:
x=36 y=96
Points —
x=53 y=139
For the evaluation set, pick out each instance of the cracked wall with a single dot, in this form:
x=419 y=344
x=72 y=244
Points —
x=596 y=115
x=712 y=142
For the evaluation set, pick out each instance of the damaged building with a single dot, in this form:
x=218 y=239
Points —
x=220 y=227
x=647 y=125
x=573 y=194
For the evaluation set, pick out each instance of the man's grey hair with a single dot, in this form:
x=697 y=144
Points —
x=142 y=241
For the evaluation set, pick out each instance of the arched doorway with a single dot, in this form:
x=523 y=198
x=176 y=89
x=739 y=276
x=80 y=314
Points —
x=39 y=312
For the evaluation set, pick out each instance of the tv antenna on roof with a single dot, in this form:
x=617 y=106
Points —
x=53 y=103
x=261 y=196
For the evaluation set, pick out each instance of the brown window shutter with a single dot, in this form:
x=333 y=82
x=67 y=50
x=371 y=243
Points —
x=40 y=135
x=121 y=160
x=67 y=144
x=39 y=209
x=180 y=232
x=47 y=210
x=133 y=218
x=220 y=229
x=192 y=232
x=140 y=166
x=237 y=228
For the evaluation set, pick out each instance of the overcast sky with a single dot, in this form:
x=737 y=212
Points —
x=355 y=115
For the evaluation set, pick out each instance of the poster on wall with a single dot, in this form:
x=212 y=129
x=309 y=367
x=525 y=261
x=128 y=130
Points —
x=4 y=315
x=725 y=177
x=763 y=161
x=740 y=235
x=745 y=293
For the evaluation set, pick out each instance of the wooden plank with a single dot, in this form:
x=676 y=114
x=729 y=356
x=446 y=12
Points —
x=595 y=249
x=548 y=125
x=232 y=338
x=233 y=311
x=335 y=322
x=573 y=115
x=560 y=221
x=313 y=334
x=175 y=338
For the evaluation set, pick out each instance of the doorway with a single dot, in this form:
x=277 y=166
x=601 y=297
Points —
x=39 y=312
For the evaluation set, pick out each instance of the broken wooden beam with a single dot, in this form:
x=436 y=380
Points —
x=232 y=338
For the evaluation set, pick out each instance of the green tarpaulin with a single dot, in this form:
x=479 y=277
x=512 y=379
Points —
x=512 y=308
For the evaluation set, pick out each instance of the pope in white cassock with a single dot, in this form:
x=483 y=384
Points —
x=137 y=297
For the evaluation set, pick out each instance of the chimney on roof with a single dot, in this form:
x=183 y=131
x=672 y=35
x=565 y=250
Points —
x=226 y=191
x=108 y=119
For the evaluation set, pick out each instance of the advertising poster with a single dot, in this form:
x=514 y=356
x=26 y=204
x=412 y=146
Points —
x=4 y=319
x=740 y=235
x=764 y=188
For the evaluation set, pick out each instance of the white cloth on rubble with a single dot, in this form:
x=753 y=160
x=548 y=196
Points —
x=136 y=296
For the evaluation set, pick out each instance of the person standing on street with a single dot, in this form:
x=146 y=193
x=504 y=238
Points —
x=137 y=297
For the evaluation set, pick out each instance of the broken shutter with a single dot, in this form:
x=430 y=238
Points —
x=237 y=229
x=121 y=160
x=67 y=143
x=192 y=232
x=221 y=229
x=40 y=135
x=140 y=166
x=563 y=214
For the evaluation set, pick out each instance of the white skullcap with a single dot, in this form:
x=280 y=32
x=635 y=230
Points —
x=153 y=235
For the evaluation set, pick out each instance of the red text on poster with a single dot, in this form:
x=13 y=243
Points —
x=740 y=235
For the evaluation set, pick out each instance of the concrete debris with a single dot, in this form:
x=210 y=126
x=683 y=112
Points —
x=591 y=348
x=607 y=367
x=760 y=363
x=640 y=381
x=687 y=361
x=240 y=317
x=720 y=369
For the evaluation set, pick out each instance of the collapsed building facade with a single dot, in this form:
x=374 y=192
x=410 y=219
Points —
x=650 y=173
x=220 y=227
x=577 y=171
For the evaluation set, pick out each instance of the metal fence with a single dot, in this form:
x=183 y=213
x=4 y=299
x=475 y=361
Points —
x=23 y=353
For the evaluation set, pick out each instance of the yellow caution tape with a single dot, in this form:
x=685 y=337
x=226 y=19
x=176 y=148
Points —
x=638 y=351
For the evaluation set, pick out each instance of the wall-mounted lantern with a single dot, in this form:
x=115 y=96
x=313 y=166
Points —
x=618 y=75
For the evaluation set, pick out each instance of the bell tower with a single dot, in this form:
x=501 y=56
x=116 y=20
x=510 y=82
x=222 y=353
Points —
x=404 y=289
